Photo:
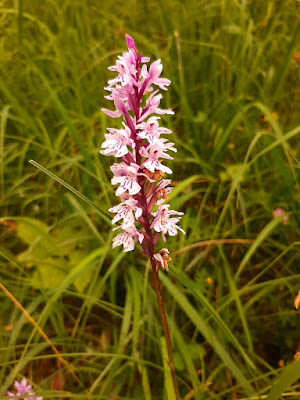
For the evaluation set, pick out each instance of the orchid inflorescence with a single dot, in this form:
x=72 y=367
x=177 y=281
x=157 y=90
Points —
x=140 y=147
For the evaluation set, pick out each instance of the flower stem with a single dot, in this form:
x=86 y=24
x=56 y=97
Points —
x=165 y=325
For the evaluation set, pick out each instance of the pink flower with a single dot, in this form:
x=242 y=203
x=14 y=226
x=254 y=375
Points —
x=151 y=131
x=127 y=238
x=153 y=75
x=23 y=389
x=132 y=49
x=116 y=143
x=126 y=175
x=126 y=68
x=121 y=109
x=152 y=104
x=163 y=223
x=280 y=211
x=153 y=154
x=128 y=211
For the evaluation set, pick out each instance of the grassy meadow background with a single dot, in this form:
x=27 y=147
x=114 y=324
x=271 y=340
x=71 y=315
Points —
x=229 y=295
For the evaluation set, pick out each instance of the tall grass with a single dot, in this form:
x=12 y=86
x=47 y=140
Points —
x=233 y=278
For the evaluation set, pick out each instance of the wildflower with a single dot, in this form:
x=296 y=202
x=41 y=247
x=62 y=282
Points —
x=152 y=155
x=126 y=175
x=151 y=131
x=127 y=238
x=153 y=75
x=128 y=211
x=278 y=212
x=141 y=149
x=23 y=389
x=163 y=223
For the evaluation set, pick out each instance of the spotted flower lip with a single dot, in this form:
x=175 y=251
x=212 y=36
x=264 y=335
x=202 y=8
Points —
x=127 y=238
x=142 y=149
x=163 y=223
x=117 y=142
x=126 y=175
x=128 y=211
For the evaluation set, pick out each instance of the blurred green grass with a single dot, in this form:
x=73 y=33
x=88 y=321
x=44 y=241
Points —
x=235 y=92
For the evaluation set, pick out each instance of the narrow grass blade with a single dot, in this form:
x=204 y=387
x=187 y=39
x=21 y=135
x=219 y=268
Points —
x=167 y=372
x=235 y=294
x=212 y=312
x=69 y=187
x=288 y=376
x=145 y=383
x=208 y=333
x=257 y=242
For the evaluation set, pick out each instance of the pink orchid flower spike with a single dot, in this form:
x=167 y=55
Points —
x=140 y=147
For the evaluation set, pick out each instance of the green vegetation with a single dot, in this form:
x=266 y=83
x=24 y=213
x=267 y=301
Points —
x=234 y=67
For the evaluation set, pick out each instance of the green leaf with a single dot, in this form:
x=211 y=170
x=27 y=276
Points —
x=30 y=229
x=288 y=376
x=34 y=233
x=82 y=281
x=49 y=273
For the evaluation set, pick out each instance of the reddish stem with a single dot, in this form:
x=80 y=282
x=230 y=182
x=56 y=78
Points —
x=165 y=325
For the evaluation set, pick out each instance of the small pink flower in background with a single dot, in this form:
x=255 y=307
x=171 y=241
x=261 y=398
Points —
x=280 y=211
x=141 y=150
x=23 y=389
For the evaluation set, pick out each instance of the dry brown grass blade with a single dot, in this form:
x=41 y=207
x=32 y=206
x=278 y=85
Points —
x=41 y=332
